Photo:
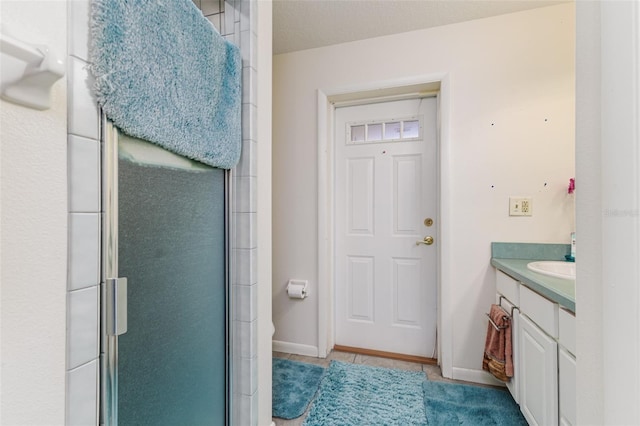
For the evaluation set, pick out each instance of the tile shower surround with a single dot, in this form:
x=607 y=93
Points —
x=236 y=21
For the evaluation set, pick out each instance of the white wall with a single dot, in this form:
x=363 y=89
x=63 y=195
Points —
x=511 y=133
x=264 y=8
x=620 y=195
x=33 y=226
x=589 y=386
x=608 y=213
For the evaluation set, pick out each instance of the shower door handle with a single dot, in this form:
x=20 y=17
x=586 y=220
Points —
x=116 y=306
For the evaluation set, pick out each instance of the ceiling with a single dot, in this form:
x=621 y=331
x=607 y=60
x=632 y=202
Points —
x=306 y=24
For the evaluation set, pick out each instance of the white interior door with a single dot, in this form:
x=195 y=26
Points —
x=385 y=186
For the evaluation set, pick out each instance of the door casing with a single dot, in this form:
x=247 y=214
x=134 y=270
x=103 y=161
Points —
x=327 y=99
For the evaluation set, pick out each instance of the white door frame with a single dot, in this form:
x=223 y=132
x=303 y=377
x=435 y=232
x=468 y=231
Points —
x=387 y=90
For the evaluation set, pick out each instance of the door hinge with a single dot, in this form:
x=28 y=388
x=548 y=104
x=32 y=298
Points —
x=116 y=306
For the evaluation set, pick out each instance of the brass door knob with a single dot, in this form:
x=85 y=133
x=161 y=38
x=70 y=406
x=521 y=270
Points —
x=427 y=240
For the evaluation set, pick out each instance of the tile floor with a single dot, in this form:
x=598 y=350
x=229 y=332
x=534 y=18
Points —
x=432 y=371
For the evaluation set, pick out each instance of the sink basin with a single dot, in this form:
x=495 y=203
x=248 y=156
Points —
x=559 y=269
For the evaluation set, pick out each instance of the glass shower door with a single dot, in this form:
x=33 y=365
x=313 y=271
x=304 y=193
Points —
x=171 y=363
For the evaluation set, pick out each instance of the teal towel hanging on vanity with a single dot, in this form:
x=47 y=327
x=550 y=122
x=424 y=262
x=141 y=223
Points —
x=164 y=74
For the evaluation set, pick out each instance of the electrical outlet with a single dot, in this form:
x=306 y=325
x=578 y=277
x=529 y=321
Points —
x=520 y=206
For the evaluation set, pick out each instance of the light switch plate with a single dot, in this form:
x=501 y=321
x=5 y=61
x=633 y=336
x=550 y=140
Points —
x=520 y=206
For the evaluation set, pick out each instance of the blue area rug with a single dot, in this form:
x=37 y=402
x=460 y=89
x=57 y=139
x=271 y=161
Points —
x=356 y=395
x=453 y=404
x=294 y=384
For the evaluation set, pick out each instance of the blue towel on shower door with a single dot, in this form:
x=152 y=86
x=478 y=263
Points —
x=164 y=74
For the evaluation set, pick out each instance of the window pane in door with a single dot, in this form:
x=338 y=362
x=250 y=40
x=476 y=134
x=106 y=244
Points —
x=392 y=130
x=410 y=129
x=357 y=133
x=374 y=132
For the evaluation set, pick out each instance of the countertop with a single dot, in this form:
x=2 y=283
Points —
x=559 y=290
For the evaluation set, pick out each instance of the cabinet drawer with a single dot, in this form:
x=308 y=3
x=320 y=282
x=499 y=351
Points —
x=508 y=287
x=567 y=331
x=541 y=311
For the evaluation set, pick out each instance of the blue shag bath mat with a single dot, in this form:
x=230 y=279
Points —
x=294 y=384
x=453 y=404
x=164 y=74
x=356 y=395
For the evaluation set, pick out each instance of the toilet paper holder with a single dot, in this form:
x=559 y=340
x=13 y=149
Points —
x=297 y=289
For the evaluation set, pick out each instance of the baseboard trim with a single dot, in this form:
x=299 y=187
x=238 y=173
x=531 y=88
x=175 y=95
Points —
x=295 y=348
x=383 y=354
x=476 y=376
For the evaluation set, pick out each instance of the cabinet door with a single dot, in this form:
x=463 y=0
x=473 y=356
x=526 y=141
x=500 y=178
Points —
x=567 y=386
x=538 y=375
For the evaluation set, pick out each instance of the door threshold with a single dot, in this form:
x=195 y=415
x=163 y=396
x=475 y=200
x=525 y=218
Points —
x=389 y=355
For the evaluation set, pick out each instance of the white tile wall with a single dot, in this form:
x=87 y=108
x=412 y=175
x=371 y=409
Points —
x=78 y=33
x=82 y=395
x=216 y=12
x=246 y=262
x=84 y=250
x=229 y=17
x=248 y=43
x=253 y=23
x=245 y=185
x=236 y=11
x=248 y=160
x=83 y=111
x=84 y=174
x=246 y=229
x=246 y=303
x=210 y=7
x=85 y=219
x=247 y=376
x=245 y=16
x=215 y=20
x=83 y=152
x=249 y=87
x=246 y=409
x=247 y=331
x=245 y=358
x=249 y=115
x=82 y=330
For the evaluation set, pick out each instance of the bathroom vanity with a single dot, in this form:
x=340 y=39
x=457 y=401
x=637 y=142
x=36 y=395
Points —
x=543 y=327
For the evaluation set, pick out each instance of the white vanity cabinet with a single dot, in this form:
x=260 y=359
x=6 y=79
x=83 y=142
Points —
x=567 y=368
x=538 y=358
x=538 y=374
x=543 y=338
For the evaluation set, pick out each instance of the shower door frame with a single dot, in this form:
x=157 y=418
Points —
x=108 y=406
